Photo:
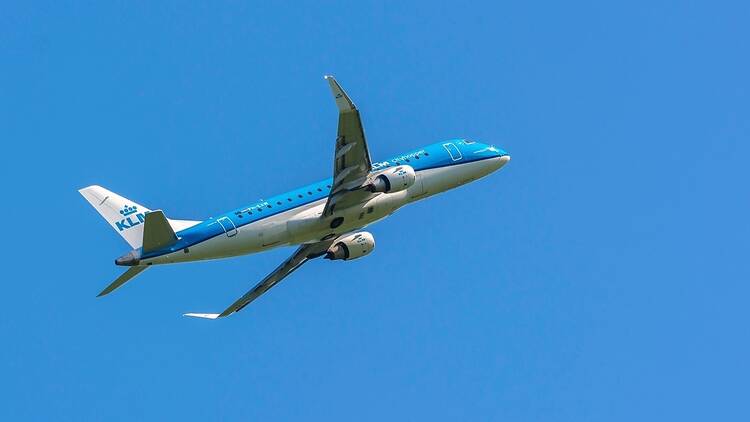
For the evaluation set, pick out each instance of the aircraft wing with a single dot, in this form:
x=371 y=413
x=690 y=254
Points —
x=351 y=163
x=303 y=254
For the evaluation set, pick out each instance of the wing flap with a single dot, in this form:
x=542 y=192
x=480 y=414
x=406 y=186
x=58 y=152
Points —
x=303 y=254
x=351 y=162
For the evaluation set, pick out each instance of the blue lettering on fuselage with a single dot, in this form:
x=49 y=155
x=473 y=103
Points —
x=398 y=160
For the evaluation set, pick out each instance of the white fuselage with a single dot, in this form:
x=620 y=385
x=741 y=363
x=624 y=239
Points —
x=304 y=223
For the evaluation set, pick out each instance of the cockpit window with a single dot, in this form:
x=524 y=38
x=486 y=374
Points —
x=468 y=142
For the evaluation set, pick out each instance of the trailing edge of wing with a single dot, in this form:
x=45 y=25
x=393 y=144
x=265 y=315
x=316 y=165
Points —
x=303 y=254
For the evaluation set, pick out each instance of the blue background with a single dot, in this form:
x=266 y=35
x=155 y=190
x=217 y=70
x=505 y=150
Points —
x=601 y=275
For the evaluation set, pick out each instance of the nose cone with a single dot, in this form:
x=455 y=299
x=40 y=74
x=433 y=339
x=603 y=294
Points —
x=498 y=151
x=500 y=161
x=497 y=156
x=492 y=151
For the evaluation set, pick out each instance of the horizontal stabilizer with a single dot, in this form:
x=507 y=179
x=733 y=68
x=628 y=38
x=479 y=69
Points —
x=157 y=233
x=127 y=275
x=206 y=316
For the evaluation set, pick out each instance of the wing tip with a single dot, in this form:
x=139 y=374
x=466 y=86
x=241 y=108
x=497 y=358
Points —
x=343 y=102
x=199 y=315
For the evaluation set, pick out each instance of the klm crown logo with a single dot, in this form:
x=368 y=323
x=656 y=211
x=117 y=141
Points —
x=129 y=220
x=127 y=210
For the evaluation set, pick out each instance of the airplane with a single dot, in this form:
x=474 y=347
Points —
x=324 y=218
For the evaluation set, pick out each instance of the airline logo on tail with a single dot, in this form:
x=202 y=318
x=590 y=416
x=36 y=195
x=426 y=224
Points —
x=127 y=222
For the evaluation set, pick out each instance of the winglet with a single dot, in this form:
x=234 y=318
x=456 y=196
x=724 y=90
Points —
x=343 y=102
x=205 y=316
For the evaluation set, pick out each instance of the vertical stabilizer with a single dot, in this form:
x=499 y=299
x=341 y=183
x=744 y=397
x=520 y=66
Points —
x=125 y=216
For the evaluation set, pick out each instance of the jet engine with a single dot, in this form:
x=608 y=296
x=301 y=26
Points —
x=353 y=246
x=394 y=180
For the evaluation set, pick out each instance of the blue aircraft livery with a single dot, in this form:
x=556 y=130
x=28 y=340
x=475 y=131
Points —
x=323 y=219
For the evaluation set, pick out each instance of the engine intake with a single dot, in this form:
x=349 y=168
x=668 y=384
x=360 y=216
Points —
x=394 y=180
x=353 y=246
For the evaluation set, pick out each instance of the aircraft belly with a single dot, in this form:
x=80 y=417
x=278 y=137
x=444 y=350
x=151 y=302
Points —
x=258 y=236
x=303 y=224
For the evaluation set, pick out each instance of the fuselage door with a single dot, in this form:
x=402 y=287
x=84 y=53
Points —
x=453 y=150
x=229 y=228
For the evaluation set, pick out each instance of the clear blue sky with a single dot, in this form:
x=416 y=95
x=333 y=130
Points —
x=602 y=275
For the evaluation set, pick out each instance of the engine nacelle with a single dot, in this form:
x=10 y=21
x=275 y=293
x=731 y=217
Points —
x=394 y=180
x=353 y=246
